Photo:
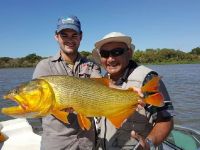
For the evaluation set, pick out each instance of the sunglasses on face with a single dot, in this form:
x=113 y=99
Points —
x=114 y=52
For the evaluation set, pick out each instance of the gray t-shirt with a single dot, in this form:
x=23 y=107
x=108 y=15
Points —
x=57 y=135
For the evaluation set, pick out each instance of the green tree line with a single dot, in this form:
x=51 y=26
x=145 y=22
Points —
x=149 y=56
x=28 y=61
x=166 y=56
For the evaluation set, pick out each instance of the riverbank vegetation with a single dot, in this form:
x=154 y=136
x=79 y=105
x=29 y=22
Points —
x=149 y=56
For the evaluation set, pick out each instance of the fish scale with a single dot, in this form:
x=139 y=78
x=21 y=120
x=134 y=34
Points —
x=84 y=94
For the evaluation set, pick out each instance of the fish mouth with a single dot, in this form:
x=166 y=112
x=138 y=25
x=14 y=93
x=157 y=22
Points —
x=14 y=110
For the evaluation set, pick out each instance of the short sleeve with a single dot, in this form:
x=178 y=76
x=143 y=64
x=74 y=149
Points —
x=41 y=69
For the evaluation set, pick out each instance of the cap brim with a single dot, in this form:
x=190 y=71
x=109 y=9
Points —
x=69 y=26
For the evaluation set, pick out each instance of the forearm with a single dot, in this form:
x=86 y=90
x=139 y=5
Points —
x=160 y=131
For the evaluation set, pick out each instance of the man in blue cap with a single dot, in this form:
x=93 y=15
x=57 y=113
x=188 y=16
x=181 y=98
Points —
x=57 y=135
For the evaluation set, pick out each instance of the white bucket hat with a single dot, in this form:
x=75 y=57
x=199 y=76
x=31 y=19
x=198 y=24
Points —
x=111 y=37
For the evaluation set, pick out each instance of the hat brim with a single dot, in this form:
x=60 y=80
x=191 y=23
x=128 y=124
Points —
x=69 y=26
x=124 y=39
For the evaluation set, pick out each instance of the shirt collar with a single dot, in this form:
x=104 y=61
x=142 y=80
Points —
x=57 y=57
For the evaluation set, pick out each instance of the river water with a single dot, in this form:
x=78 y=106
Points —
x=181 y=80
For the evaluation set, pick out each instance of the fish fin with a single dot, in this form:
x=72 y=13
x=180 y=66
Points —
x=3 y=137
x=61 y=115
x=84 y=122
x=130 y=89
x=155 y=99
x=104 y=81
x=118 y=119
x=152 y=85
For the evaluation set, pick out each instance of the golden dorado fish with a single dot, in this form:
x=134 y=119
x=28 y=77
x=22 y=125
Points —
x=88 y=97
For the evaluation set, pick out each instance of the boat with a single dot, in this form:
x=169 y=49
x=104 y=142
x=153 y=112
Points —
x=182 y=138
x=21 y=137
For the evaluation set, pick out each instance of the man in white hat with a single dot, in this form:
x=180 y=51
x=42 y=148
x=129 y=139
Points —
x=149 y=125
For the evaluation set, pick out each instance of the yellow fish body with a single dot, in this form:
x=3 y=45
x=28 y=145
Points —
x=88 y=97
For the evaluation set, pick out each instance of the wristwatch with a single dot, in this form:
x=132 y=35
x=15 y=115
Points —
x=151 y=145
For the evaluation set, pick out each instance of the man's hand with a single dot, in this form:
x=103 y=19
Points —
x=143 y=144
x=138 y=91
x=141 y=103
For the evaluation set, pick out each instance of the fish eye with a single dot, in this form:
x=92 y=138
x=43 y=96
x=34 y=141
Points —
x=15 y=91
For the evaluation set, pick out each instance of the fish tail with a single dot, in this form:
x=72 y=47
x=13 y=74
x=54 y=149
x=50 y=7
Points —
x=152 y=86
x=155 y=99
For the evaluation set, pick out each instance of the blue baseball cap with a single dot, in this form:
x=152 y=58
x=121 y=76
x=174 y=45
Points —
x=70 y=22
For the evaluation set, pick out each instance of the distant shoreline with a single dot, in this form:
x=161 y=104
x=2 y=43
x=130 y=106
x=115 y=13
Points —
x=150 y=56
x=162 y=63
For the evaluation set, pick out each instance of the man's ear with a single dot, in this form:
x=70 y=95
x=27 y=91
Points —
x=81 y=35
x=56 y=37
x=130 y=53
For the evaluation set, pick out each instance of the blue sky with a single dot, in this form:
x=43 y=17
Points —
x=28 y=26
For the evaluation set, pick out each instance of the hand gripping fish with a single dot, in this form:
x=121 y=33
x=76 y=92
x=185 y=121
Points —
x=88 y=97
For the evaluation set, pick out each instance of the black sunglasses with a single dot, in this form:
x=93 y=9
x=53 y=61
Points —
x=114 y=52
